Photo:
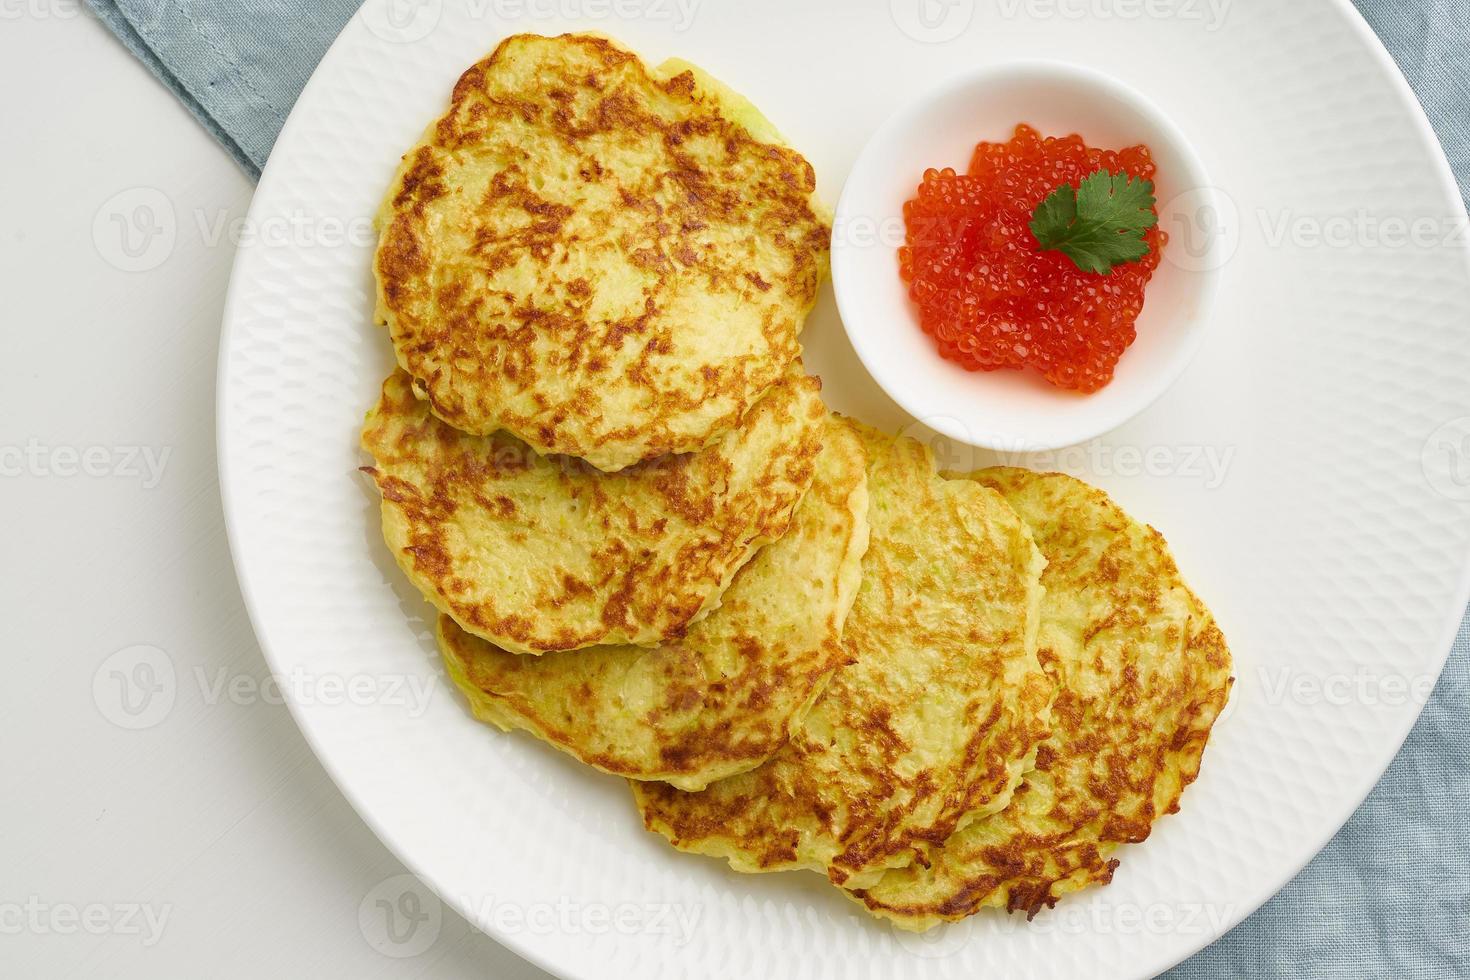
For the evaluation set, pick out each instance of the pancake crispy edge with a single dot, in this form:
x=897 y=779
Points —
x=933 y=723
x=539 y=553
x=609 y=262
x=728 y=695
x=1143 y=670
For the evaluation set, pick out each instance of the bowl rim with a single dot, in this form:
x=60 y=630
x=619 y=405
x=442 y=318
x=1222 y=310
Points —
x=1195 y=179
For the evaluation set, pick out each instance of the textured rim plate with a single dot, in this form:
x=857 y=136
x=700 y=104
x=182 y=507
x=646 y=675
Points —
x=1310 y=470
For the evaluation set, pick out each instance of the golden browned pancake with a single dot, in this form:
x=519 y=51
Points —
x=932 y=724
x=539 y=553
x=609 y=262
x=725 y=697
x=1144 y=671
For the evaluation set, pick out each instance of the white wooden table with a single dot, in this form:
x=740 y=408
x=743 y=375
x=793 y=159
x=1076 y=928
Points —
x=146 y=837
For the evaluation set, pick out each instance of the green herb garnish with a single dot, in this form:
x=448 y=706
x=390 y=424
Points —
x=1098 y=225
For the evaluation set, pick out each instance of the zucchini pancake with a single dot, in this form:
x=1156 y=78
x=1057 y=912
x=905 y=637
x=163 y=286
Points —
x=537 y=554
x=1143 y=673
x=652 y=546
x=932 y=724
x=727 y=696
x=610 y=262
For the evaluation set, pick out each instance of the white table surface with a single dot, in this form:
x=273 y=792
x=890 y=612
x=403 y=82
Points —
x=214 y=818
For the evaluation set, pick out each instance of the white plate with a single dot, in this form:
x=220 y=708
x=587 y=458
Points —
x=1310 y=469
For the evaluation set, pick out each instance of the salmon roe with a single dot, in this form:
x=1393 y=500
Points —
x=988 y=294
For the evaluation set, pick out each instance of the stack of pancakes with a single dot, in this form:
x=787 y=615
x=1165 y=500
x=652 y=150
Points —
x=653 y=547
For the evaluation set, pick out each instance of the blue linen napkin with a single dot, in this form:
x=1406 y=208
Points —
x=237 y=66
x=1390 y=895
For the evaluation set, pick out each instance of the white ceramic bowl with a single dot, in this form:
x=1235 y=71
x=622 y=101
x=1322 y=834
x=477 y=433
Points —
x=1017 y=411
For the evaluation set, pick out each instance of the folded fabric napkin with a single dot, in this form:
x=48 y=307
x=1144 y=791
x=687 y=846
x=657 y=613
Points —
x=1390 y=895
x=237 y=65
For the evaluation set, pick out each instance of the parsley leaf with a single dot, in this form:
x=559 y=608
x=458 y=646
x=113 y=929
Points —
x=1099 y=224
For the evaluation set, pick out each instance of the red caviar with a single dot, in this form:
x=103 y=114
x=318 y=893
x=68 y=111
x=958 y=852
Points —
x=988 y=294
